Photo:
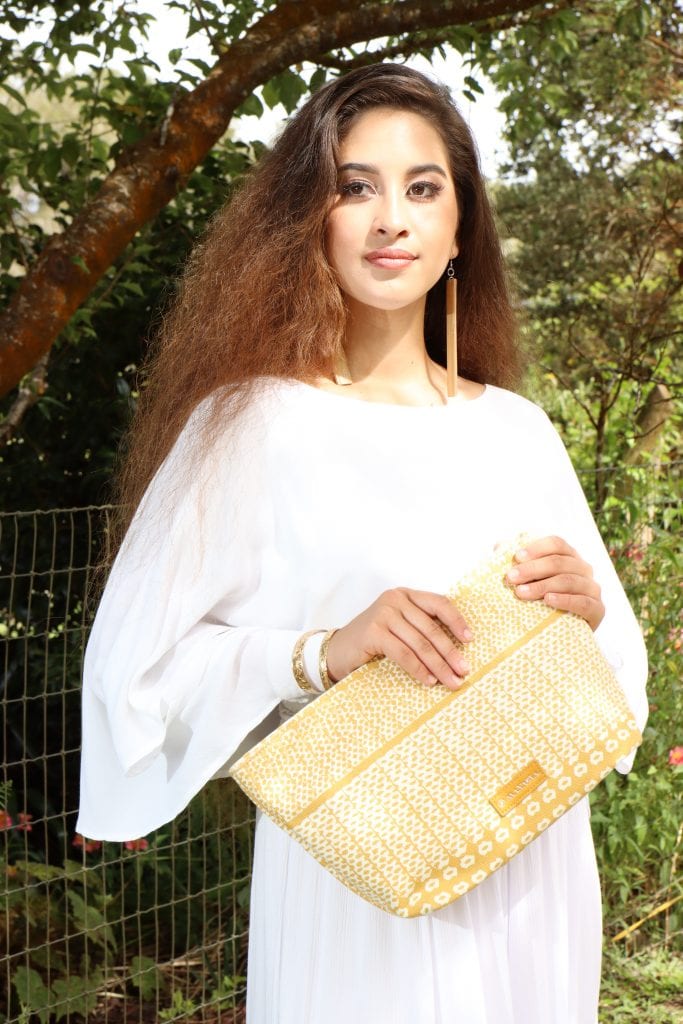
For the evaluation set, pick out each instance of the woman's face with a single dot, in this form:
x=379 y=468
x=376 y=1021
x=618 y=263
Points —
x=392 y=227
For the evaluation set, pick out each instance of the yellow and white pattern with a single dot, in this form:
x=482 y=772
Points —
x=410 y=795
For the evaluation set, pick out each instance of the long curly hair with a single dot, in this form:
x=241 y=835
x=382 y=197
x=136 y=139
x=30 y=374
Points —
x=258 y=297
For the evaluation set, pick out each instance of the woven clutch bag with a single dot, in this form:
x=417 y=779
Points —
x=411 y=795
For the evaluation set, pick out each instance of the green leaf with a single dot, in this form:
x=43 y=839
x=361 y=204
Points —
x=137 y=70
x=77 y=995
x=84 y=47
x=133 y=287
x=43 y=872
x=201 y=65
x=14 y=93
x=89 y=919
x=7 y=117
x=286 y=88
x=71 y=150
x=473 y=84
x=124 y=42
x=100 y=149
x=318 y=79
x=51 y=163
x=131 y=133
x=271 y=93
x=568 y=42
x=461 y=40
x=252 y=106
x=145 y=976
x=32 y=993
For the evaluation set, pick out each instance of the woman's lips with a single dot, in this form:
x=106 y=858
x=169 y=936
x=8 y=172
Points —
x=390 y=259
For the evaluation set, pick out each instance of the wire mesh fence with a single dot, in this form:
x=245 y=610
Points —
x=154 y=929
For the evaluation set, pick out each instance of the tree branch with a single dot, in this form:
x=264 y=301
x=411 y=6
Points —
x=215 y=43
x=428 y=40
x=28 y=394
x=567 y=385
x=150 y=173
x=676 y=54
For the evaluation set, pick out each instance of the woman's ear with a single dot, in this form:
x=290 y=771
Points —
x=454 y=250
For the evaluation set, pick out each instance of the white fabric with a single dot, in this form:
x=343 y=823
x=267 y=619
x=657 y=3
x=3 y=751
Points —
x=319 y=504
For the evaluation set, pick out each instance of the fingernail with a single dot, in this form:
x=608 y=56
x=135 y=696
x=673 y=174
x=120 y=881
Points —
x=521 y=554
x=551 y=598
x=467 y=634
x=455 y=681
x=513 y=574
x=463 y=666
x=523 y=589
x=431 y=680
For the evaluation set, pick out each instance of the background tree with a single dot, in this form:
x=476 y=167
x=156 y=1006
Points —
x=592 y=202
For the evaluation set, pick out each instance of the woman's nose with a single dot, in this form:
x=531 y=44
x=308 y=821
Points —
x=390 y=215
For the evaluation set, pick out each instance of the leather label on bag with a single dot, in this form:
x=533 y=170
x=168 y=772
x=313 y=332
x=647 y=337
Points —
x=519 y=786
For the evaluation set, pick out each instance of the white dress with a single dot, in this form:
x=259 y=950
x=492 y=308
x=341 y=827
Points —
x=298 y=521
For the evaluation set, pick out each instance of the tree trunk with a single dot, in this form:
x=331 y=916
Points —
x=650 y=424
x=651 y=421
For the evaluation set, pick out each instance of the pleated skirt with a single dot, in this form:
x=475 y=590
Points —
x=524 y=947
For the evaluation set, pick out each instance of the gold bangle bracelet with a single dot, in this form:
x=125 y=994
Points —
x=298 y=662
x=322 y=663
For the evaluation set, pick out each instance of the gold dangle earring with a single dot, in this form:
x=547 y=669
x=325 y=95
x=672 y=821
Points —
x=451 y=332
x=342 y=373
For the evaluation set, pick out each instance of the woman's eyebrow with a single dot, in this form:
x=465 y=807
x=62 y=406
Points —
x=372 y=169
x=426 y=169
x=364 y=168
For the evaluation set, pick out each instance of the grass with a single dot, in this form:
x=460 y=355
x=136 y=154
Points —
x=646 y=988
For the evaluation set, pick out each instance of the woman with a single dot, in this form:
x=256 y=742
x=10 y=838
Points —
x=296 y=465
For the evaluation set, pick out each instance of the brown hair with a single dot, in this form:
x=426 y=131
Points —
x=258 y=297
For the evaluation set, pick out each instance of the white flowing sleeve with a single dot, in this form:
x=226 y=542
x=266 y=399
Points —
x=185 y=658
x=619 y=635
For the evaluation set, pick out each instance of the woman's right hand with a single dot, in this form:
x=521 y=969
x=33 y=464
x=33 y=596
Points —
x=405 y=626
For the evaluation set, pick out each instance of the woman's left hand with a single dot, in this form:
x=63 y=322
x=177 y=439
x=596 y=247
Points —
x=550 y=570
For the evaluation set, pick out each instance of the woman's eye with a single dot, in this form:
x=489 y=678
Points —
x=424 y=189
x=356 y=188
